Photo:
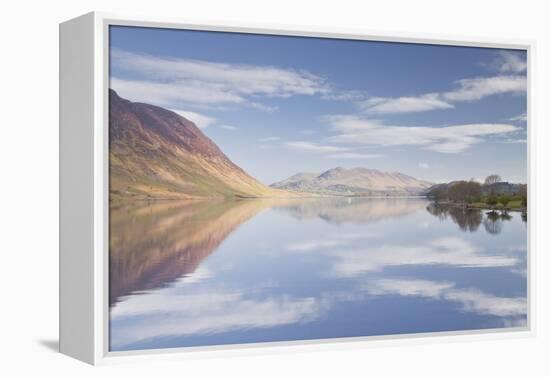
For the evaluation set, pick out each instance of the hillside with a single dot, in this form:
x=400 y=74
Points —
x=157 y=154
x=354 y=182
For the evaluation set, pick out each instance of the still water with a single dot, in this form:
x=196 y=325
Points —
x=195 y=273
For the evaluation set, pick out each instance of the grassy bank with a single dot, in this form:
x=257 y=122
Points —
x=513 y=205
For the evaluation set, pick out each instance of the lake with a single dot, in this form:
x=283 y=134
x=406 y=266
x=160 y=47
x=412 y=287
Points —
x=195 y=273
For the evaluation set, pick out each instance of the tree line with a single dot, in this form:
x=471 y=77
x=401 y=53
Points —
x=473 y=193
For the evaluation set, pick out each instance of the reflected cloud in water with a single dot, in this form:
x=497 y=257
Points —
x=471 y=300
x=350 y=260
x=186 y=273
x=168 y=313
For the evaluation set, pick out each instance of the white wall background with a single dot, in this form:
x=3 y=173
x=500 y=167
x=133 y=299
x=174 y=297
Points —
x=29 y=184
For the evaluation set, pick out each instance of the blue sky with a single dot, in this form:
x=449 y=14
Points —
x=281 y=105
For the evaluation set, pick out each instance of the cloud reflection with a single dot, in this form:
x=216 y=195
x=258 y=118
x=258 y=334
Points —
x=471 y=300
x=351 y=261
x=449 y=251
x=165 y=313
x=168 y=289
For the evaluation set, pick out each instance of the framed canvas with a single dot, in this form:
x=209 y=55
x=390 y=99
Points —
x=225 y=188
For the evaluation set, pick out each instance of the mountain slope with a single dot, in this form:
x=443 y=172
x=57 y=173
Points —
x=156 y=153
x=357 y=181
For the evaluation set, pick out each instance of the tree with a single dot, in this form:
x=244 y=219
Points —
x=504 y=199
x=493 y=178
x=492 y=200
x=473 y=191
x=523 y=194
x=524 y=201
x=464 y=192
x=438 y=194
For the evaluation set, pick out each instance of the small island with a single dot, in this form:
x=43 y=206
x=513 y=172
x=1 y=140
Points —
x=493 y=194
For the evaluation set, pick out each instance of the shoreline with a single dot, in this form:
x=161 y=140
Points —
x=470 y=206
x=299 y=195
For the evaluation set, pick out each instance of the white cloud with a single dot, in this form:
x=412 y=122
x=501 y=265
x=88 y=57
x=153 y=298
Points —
x=173 y=94
x=514 y=141
x=519 y=118
x=424 y=165
x=167 y=312
x=269 y=138
x=352 y=261
x=229 y=128
x=350 y=95
x=478 y=88
x=472 y=300
x=200 y=274
x=471 y=89
x=511 y=62
x=308 y=132
x=448 y=139
x=443 y=251
x=316 y=244
x=380 y=105
x=479 y=302
x=266 y=108
x=200 y=120
x=163 y=80
x=338 y=239
x=350 y=155
x=408 y=287
x=313 y=147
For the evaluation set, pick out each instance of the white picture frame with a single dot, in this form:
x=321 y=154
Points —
x=84 y=191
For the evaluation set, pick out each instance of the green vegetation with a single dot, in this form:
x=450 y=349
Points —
x=475 y=195
x=502 y=201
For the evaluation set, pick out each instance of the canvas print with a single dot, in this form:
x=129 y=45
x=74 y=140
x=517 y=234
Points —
x=267 y=188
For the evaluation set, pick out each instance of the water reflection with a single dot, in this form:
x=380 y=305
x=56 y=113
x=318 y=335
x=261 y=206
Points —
x=466 y=219
x=471 y=300
x=186 y=273
x=351 y=260
x=493 y=221
x=469 y=219
x=154 y=243
x=338 y=210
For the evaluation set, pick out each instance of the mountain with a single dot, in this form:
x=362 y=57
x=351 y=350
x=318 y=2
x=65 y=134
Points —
x=156 y=153
x=354 y=182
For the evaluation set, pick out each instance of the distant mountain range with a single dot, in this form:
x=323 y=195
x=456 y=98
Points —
x=354 y=182
x=156 y=153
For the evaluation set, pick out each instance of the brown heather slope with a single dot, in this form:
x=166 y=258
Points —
x=157 y=154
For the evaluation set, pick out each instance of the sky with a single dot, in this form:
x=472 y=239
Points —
x=279 y=105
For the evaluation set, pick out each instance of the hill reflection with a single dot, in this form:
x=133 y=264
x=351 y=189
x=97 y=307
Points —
x=155 y=243
x=339 y=210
